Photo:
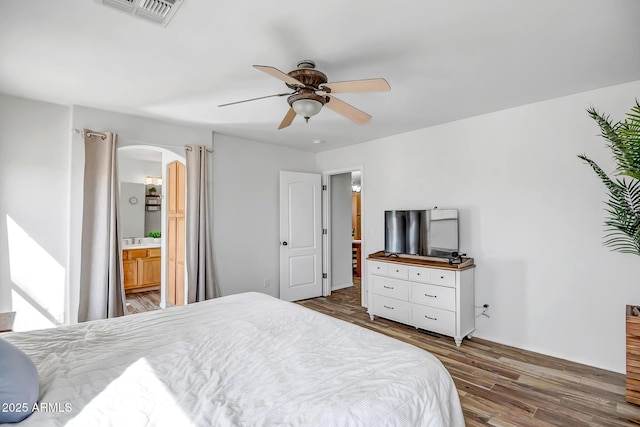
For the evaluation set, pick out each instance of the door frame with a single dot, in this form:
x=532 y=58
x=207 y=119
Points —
x=326 y=224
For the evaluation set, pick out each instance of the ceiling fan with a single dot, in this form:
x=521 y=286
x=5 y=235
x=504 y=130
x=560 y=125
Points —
x=311 y=92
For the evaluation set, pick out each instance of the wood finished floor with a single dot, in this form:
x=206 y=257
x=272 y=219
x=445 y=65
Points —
x=498 y=385
x=505 y=386
x=143 y=301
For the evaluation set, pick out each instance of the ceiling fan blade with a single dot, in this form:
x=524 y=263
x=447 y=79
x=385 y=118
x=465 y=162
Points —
x=278 y=74
x=349 y=111
x=255 y=99
x=288 y=119
x=370 y=85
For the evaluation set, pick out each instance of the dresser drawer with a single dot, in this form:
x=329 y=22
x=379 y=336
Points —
x=390 y=308
x=378 y=268
x=399 y=271
x=434 y=296
x=434 y=319
x=420 y=274
x=390 y=287
x=443 y=277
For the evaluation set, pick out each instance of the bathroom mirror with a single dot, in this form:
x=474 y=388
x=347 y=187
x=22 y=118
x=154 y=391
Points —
x=140 y=202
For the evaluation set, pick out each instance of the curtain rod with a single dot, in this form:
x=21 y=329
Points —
x=104 y=136
x=190 y=147
x=90 y=134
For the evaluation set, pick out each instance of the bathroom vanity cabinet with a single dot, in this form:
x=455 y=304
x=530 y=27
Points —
x=142 y=269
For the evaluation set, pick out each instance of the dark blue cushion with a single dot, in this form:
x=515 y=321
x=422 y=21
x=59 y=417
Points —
x=19 y=384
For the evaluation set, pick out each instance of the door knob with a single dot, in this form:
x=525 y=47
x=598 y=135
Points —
x=284 y=243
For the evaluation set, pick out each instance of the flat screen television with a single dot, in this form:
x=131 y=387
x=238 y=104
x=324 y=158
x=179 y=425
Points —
x=430 y=232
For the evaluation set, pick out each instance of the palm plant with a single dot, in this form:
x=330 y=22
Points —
x=623 y=207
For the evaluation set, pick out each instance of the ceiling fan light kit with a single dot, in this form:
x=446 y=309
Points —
x=311 y=92
x=306 y=105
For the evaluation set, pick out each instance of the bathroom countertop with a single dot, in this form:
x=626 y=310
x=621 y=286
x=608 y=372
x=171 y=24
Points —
x=141 y=246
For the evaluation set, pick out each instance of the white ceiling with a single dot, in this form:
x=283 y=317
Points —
x=139 y=154
x=444 y=60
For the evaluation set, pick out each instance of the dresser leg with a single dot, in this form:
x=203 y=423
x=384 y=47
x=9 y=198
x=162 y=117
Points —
x=469 y=336
x=371 y=316
x=458 y=341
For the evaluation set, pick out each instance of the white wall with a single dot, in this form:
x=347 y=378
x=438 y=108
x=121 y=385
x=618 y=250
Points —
x=246 y=211
x=340 y=229
x=133 y=174
x=531 y=214
x=34 y=209
x=136 y=170
x=132 y=215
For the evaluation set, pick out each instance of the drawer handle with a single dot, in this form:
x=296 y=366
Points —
x=442 y=277
x=431 y=296
x=417 y=274
x=386 y=306
x=387 y=287
x=397 y=271
x=432 y=318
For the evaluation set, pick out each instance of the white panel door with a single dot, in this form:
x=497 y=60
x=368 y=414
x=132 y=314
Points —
x=300 y=236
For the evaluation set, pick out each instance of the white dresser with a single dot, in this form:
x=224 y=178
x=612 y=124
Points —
x=426 y=295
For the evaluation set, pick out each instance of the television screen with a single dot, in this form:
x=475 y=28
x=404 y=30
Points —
x=432 y=232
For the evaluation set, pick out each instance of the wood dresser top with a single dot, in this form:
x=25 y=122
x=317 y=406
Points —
x=381 y=256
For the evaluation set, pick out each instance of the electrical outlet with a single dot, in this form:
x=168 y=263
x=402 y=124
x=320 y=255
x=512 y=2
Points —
x=266 y=283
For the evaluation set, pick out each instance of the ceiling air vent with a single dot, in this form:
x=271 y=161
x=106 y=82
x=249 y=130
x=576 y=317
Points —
x=156 y=11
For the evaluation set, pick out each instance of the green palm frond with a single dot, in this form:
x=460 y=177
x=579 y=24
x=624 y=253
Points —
x=623 y=139
x=622 y=224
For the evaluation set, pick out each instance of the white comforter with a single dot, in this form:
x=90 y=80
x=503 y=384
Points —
x=241 y=360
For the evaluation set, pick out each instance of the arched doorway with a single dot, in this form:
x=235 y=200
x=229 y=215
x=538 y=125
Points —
x=128 y=157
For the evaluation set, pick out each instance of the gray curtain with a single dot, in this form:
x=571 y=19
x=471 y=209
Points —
x=101 y=286
x=201 y=279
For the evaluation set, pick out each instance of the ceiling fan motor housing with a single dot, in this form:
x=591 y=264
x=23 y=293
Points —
x=308 y=77
x=312 y=79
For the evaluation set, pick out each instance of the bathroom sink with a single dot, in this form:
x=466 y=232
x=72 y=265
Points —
x=137 y=242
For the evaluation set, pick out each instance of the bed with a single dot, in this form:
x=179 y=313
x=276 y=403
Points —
x=241 y=360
